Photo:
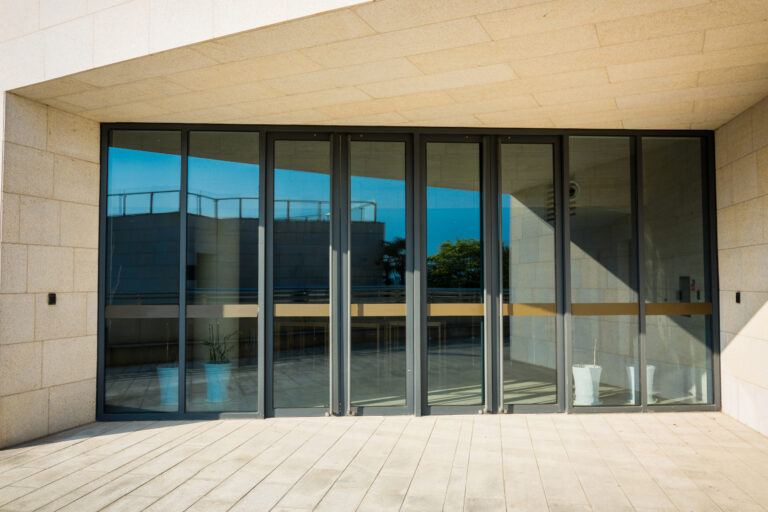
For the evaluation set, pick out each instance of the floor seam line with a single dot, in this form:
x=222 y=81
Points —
x=394 y=445
x=150 y=479
x=310 y=467
x=348 y=464
x=421 y=456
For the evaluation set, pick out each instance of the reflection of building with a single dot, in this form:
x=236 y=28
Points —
x=651 y=269
x=222 y=243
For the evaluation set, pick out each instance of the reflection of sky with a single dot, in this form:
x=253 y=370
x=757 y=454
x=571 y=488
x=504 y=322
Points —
x=215 y=187
x=389 y=196
x=133 y=171
x=309 y=193
x=451 y=214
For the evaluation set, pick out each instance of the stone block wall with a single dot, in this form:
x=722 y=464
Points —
x=48 y=244
x=741 y=148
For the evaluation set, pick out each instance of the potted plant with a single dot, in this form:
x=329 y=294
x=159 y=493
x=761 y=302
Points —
x=168 y=377
x=218 y=367
x=586 y=380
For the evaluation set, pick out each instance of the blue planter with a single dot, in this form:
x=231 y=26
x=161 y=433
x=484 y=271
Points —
x=217 y=381
x=168 y=377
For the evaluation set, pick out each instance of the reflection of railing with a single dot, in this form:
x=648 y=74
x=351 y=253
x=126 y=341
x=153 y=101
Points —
x=311 y=209
x=206 y=206
x=118 y=204
x=131 y=203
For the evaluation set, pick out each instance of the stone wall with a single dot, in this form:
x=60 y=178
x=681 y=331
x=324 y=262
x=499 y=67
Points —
x=49 y=244
x=742 y=217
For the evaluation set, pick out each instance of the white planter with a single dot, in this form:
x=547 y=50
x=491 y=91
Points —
x=217 y=381
x=586 y=381
x=650 y=371
x=168 y=377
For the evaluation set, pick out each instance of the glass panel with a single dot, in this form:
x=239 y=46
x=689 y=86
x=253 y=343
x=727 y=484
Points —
x=302 y=235
x=377 y=246
x=142 y=272
x=678 y=331
x=222 y=271
x=528 y=269
x=454 y=275
x=603 y=272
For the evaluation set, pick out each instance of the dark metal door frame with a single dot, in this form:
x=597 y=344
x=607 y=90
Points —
x=416 y=139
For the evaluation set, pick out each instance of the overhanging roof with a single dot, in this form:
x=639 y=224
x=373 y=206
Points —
x=671 y=64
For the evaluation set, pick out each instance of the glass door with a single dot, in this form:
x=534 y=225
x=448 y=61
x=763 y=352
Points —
x=531 y=339
x=454 y=255
x=378 y=272
x=222 y=267
x=603 y=272
x=299 y=347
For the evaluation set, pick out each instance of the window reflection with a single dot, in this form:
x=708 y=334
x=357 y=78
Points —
x=378 y=263
x=302 y=185
x=603 y=273
x=454 y=275
x=528 y=269
x=142 y=272
x=678 y=332
x=222 y=271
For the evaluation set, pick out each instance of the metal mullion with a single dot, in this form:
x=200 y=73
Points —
x=637 y=198
x=269 y=210
x=262 y=277
x=564 y=311
x=334 y=261
x=182 y=351
x=411 y=340
x=490 y=248
x=561 y=211
x=339 y=239
x=345 y=295
x=709 y=215
x=420 y=277
x=499 y=279
x=102 y=273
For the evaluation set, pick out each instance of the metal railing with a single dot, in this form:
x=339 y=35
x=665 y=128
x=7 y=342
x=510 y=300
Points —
x=143 y=203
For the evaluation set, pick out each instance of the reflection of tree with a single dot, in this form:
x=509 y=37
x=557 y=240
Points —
x=456 y=264
x=392 y=261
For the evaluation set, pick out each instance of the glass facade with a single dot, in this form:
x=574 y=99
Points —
x=264 y=272
x=301 y=273
x=222 y=271
x=603 y=272
x=377 y=268
x=454 y=266
x=529 y=322
x=141 y=248
x=677 y=290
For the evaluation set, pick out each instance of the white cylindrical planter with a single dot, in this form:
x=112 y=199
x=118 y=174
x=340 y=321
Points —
x=650 y=371
x=586 y=381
